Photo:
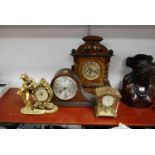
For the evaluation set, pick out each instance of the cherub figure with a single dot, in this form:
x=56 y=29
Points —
x=25 y=90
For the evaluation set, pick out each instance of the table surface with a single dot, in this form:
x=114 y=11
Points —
x=11 y=103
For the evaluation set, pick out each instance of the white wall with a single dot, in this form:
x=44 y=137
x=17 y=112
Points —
x=42 y=50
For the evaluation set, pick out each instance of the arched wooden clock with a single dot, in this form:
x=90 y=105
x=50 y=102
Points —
x=91 y=62
x=68 y=90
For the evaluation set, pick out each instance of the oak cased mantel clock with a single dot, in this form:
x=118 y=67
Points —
x=91 y=62
x=68 y=90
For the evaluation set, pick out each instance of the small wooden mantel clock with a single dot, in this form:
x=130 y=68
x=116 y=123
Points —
x=68 y=90
x=91 y=62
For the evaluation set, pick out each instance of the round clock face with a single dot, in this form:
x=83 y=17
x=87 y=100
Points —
x=41 y=94
x=91 y=70
x=108 y=100
x=65 y=88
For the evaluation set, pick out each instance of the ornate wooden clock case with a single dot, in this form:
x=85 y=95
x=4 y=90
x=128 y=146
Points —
x=91 y=62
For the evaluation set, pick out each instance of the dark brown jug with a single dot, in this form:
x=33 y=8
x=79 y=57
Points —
x=138 y=88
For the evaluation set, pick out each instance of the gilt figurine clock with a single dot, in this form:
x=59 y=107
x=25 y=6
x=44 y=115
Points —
x=107 y=101
x=91 y=62
x=36 y=96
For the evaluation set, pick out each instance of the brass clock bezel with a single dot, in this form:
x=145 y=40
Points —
x=86 y=76
x=42 y=84
x=39 y=89
x=58 y=95
x=114 y=101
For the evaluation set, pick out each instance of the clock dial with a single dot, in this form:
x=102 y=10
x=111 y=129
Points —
x=41 y=94
x=91 y=70
x=65 y=87
x=108 y=100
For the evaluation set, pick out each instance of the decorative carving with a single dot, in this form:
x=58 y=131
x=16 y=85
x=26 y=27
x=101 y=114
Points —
x=92 y=51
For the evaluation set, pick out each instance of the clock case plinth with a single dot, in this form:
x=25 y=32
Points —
x=82 y=98
x=92 y=50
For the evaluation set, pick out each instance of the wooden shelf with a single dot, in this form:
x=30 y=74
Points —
x=11 y=103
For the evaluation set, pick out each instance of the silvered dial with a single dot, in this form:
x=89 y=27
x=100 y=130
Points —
x=65 y=88
x=41 y=94
x=108 y=100
x=91 y=70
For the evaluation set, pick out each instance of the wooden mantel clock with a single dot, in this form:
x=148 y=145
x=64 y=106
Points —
x=91 y=62
x=68 y=90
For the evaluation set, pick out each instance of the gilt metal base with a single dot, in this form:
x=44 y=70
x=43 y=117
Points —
x=32 y=111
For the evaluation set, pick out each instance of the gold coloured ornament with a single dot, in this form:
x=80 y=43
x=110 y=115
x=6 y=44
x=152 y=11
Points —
x=107 y=101
x=36 y=96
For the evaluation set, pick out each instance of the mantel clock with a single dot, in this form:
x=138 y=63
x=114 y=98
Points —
x=36 y=96
x=91 y=62
x=107 y=101
x=68 y=90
